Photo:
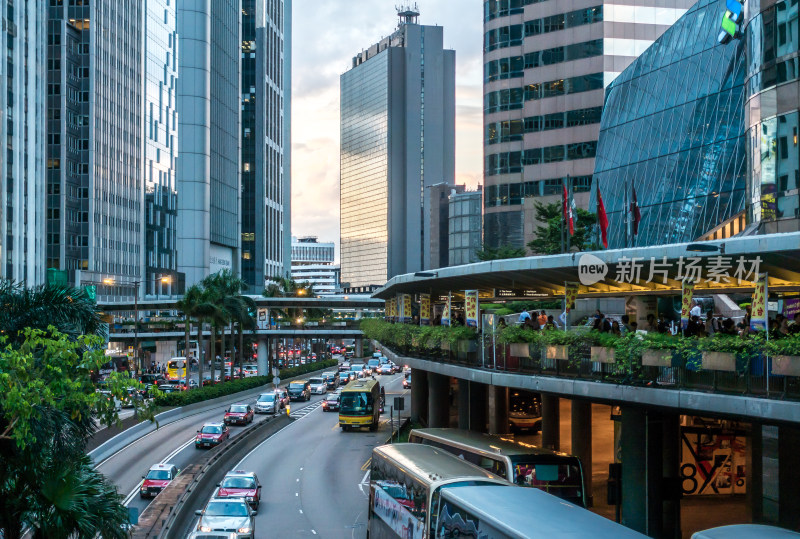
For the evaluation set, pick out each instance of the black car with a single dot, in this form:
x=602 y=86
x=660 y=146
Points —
x=300 y=390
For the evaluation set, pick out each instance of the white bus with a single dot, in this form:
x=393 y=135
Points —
x=525 y=465
x=492 y=512
x=406 y=480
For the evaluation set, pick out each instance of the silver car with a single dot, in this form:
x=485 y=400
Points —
x=228 y=515
x=318 y=386
x=267 y=403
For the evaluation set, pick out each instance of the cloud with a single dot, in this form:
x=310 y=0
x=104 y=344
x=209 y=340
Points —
x=326 y=36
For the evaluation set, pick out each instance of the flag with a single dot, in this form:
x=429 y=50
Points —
x=637 y=215
x=573 y=211
x=564 y=203
x=602 y=219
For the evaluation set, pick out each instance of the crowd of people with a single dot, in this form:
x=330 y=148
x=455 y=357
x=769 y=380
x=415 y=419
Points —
x=698 y=325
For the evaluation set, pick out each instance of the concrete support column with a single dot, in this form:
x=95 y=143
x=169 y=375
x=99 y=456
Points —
x=670 y=471
x=359 y=348
x=788 y=478
x=463 y=403
x=582 y=440
x=438 y=400
x=498 y=410
x=419 y=397
x=642 y=468
x=551 y=422
x=755 y=473
x=263 y=356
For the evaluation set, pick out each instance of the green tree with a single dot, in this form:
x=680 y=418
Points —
x=500 y=253
x=70 y=310
x=547 y=240
x=48 y=410
x=236 y=309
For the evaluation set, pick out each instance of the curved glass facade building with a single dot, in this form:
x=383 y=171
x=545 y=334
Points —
x=673 y=129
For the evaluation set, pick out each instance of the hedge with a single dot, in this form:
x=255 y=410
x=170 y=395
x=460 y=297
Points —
x=182 y=398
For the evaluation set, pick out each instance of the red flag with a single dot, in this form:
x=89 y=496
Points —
x=637 y=215
x=602 y=219
x=567 y=209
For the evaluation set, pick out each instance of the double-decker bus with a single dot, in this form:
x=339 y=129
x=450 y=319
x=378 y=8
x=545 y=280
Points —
x=406 y=483
x=360 y=405
x=525 y=465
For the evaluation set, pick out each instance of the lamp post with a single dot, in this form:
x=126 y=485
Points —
x=109 y=281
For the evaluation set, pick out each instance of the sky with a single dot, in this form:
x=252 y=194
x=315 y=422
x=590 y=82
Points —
x=326 y=36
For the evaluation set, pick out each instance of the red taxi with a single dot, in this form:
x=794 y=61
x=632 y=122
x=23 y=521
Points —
x=241 y=484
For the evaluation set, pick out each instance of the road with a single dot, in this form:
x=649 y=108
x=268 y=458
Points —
x=171 y=443
x=314 y=476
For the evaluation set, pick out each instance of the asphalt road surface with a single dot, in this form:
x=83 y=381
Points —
x=314 y=476
x=173 y=443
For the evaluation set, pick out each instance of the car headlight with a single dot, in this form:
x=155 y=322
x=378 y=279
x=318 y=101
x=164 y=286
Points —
x=246 y=529
x=205 y=528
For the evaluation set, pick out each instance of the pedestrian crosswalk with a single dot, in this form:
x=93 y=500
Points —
x=302 y=412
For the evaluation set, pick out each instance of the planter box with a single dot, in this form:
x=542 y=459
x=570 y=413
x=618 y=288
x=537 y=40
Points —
x=520 y=349
x=719 y=361
x=558 y=351
x=602 y=354
x=786 y=365
x=467 y=346
x=657 y=358
x=445 y=345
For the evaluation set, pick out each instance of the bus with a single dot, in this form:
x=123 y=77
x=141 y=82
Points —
x=492 y=512
x=525 y=465
x=360 y=405
x=114 y=363
x=406 y=480
x=176 y=368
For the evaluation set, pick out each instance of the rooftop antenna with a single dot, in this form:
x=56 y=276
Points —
x=408 y=14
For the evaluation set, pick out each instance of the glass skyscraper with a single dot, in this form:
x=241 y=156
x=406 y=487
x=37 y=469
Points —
x=22 y=165
x=265 y=164
x=673 y=129
x=397 y=138
x=546 y=63
x=95 y=144
x=160 y=148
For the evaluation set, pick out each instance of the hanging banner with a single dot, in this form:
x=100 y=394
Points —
x=391 y=306
x=758 y=308
x=401 y=314
x=446 y=312
x=570 y=295
x=424 y=309
x=687 y=291
x=471 y=308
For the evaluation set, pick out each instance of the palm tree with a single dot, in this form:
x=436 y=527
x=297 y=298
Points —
x=187 y=305
x=67 y=308
x=235 y=307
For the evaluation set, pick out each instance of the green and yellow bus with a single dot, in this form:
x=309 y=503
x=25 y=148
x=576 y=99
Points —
x=360 y=405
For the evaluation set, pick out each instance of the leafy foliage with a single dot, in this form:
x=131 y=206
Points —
x=547 y=239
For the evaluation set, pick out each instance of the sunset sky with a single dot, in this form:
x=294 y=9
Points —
x=327 y=34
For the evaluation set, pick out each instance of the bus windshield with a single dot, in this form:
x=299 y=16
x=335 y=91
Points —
x=355 y=403
x=558 y=478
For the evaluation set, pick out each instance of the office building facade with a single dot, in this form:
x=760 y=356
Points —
x=22 y=165
x=465 y=226
x=397 y=138
x=546 y=64
x=313 y=263
x=673 y=130
x=209 y=149
x=161 y=141
x=438 y=202
x=95 y=204
x=265 y=98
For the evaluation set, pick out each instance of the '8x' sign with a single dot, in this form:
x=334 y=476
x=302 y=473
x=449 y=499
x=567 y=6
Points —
x=731 y=20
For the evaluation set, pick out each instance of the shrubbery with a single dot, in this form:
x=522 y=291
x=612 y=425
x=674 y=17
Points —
x=183 y=398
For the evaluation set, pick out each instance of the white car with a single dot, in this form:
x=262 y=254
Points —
x=250 y=371
x=228 y=514
x=318 y=386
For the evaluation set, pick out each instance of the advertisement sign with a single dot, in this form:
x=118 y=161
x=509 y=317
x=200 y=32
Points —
x=395 y=512
x=790 y=308
x=446 y=312
x=687 y=290
x=471 y=308
x=758 y=307
x=570 y=295
x=424 y=309
x=390 y=309
x=407 y=311
x=263 y=319
x=401 y=313
x=713 y=461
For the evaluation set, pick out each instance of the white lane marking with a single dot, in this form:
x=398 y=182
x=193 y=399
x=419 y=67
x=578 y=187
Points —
x=297 y=494
x=166 y=459
x=298 y=479
x=301 y=468
x=364 y=481
x=301 y=511
x=314 y=532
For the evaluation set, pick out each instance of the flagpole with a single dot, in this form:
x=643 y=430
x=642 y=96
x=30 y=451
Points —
x=596 y=212
x=563 y=216
x=569 y=209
